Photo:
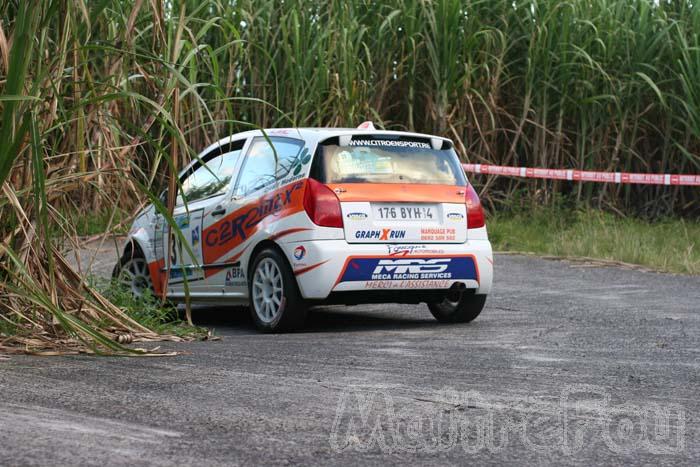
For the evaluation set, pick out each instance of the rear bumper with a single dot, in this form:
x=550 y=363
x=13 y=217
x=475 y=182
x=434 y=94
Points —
x=330 y=268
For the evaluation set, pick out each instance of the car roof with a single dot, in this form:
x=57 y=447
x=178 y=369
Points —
x=313 y=135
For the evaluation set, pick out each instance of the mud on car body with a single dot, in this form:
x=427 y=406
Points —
x=284 y=219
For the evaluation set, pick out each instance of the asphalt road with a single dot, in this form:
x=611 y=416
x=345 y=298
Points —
x=567 y=364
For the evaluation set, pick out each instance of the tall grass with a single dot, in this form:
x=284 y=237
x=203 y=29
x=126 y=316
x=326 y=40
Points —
x=601 y=84
x=88 y=114
x=667 y=245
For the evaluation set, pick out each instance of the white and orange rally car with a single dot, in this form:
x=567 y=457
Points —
x=284 y=219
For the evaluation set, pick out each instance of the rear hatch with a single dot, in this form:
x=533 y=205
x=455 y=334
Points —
x=399 y=213
x=395 y=189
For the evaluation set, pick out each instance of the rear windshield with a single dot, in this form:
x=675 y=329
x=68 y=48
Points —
x=376 y=161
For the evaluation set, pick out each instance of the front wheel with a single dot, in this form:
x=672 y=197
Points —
x=464 y=310
x=132 y=273
x=275 y=302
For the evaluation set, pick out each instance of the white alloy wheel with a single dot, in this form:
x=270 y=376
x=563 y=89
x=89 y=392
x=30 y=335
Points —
x=268 y=291
x=134 y=275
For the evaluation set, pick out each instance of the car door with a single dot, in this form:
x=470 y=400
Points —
x=205 y=187
x=267 y=161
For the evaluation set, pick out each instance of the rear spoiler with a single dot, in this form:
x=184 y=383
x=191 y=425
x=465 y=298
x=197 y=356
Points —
x=388 y=140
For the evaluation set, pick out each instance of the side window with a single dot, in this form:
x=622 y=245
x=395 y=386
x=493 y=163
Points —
x=211 y=179
x=259 y=169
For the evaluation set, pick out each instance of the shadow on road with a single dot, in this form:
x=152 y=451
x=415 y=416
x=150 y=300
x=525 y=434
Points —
x=320 y=319
x=341 y=319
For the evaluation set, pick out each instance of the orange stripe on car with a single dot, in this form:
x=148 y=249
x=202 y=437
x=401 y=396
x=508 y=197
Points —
x=398 y=192
x=157 y=276
x=287 y=232
x=300 y=271
x=226 y=264
x=234 y=229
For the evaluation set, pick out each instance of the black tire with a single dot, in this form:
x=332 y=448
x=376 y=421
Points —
x=463 y=311
x=131 y=271
x=290 y=313
x=131 y=256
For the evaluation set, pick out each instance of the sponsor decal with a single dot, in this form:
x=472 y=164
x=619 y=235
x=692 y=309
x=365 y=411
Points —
x=405 y=250
x=437 y=234
x=356 y=216
x=293 y=178
x=179 y=272
x=296 y=166
x=299 y=252
x=182 y=222
x=303 y=158
x=381 y=234
x=233 y=276
x=455 y=216
x=410 y=284
x=195 y=237
x=409 y=269
x=390 y=142
x=237 y=229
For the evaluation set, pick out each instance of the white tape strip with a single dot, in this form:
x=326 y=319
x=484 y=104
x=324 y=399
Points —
x=588 y=176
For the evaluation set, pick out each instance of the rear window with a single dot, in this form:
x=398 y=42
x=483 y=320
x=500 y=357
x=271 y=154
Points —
x=387 y=161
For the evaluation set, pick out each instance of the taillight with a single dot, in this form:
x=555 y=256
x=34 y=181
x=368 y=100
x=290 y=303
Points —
x=322 y=205
x=475 y=213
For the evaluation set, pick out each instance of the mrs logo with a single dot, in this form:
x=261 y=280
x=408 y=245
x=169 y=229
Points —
x=398 y=268
x=412 y=266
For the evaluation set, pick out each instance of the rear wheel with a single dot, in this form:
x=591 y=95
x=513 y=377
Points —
x=275 y=302
x=465 y=309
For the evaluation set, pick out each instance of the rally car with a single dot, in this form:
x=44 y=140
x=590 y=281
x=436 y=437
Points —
x=283 y=219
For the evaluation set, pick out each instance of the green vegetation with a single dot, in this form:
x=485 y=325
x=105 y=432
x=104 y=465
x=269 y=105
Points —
x=101 y=102
x=96 y=223
x=149 y=311
x=663 y=245
x=602 y=84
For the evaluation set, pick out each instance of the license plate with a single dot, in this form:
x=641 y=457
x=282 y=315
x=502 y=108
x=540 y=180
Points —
x=404 y=212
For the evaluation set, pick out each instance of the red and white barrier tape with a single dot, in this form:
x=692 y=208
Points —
x=584 y=175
